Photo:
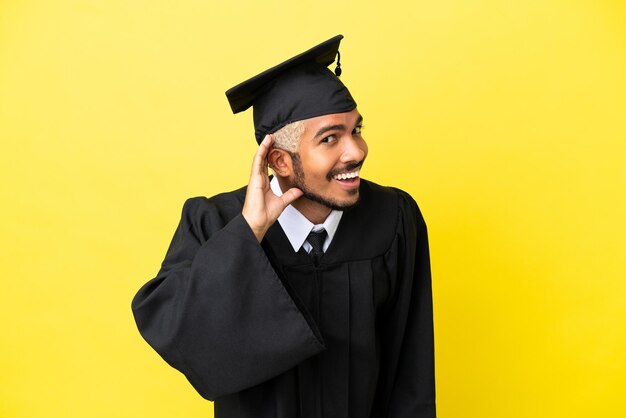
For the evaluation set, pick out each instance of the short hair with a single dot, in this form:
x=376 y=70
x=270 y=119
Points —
x=288 y=137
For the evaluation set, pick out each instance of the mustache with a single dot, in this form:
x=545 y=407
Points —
x=351 y=166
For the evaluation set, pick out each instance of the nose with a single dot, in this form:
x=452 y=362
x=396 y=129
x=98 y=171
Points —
x=354 y=149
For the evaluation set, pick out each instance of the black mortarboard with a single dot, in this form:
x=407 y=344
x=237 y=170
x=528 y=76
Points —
x=300 y=88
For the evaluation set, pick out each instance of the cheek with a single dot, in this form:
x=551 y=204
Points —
x=364 y=148
x=320 y=165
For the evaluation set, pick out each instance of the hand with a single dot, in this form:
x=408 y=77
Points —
x=262 y=207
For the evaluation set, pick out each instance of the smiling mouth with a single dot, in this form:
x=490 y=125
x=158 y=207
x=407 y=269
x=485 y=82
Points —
x=347 y=177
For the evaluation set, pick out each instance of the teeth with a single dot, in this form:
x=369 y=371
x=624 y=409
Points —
x=345 y=176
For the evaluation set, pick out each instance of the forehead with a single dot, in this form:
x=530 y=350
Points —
x=347 y=119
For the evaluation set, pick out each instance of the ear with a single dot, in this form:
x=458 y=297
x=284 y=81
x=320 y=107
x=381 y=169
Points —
x=280 y=161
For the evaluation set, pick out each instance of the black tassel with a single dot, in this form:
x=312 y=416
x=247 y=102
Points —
x=338 y=67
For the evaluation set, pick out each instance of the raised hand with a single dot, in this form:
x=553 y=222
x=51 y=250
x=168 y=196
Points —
x=262 y=207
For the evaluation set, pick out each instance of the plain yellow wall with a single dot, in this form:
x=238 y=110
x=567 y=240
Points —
x=505 y=120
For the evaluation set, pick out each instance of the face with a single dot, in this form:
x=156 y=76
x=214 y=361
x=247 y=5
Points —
x=329 y=158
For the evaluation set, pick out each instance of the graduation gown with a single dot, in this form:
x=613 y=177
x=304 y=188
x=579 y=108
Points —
x=265 y=332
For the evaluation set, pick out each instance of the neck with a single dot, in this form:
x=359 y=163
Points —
x=313 y=211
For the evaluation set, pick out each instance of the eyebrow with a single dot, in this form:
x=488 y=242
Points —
x=325 y=129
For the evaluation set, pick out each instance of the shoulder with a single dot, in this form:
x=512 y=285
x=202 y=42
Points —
x=395 y=204
x=382 y=217
x=208 y=214
x=223 y=202
x=388 y=198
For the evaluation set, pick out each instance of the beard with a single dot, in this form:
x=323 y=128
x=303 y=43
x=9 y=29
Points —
x=329 y=202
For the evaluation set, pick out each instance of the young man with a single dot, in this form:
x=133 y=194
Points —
x=304 y=295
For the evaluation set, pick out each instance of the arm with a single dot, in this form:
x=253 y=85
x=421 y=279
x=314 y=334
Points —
x=410 y=377
x=217 y=311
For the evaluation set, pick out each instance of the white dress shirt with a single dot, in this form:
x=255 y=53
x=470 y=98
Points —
x=297 y=227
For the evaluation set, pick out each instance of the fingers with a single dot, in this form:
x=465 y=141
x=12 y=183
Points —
x=259 y=163
x=290 y=195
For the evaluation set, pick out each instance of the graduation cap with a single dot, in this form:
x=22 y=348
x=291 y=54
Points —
x=300 y=88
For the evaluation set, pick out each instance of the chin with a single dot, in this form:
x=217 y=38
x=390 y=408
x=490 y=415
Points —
x=333 y=203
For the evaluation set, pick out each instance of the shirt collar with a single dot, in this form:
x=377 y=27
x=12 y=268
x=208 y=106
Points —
x=297 y=227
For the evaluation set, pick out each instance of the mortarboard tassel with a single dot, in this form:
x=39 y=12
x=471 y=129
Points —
x=338 y=67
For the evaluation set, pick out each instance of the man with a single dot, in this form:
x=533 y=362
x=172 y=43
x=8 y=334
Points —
x=304 y=295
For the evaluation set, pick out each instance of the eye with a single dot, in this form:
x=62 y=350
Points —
x=329 y=138
x=357 y=130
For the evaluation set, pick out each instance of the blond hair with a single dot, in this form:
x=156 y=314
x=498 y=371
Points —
x=288 y=137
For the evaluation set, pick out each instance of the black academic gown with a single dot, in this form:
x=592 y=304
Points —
x=266 y=333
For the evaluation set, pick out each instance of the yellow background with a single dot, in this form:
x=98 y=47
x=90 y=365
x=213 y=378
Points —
x=505 y=120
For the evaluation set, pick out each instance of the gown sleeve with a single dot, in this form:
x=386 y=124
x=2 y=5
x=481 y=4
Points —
x=409 y=367
x=217 y=311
